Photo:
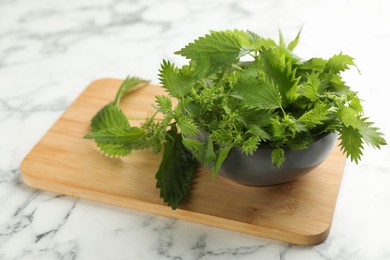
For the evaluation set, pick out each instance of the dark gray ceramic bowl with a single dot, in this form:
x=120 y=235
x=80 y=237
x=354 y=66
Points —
x=258 y=169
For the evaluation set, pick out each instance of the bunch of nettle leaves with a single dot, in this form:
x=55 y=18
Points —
x=276 y=100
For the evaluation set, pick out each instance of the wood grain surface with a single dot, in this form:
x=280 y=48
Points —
x=63 y=162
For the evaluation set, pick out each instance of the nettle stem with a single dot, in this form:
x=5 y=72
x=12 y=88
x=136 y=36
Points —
x=284 y=112
x=236 y=67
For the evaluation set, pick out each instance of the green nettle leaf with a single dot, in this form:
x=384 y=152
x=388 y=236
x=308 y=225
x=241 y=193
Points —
x=254 y=38
x=187 y=126
x=312 y=65
x=291 y=46
x=176 y=169
x=260 y=118
x=350 y=117
x=337 y=83
x=110 y=121
x=293 y=125
x=202 y=66
x=177 y=82
x=277 y=156
x=193 y=108
x=258 y=92
x=249 y=41
x=278 y=128
x=127 y=86
x=261 y=134
x=282 y=43
x=281 y=72
x=123 y=136
x=351 y=142
x=197 y=148
x=371 y=135
x=355 y=104
x=315 y=116
x=250 y=145
x=300 y=142
x=164 y=104
x=110 y=116
x=155 y=143
x=114 y=150
x=223 y=136
x=219 y=49
x=339 y=62
x=310 y=87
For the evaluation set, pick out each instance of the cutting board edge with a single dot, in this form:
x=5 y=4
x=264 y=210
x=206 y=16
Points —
x=181 y=214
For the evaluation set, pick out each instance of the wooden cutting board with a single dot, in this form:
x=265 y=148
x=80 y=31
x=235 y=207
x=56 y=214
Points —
x=63 y=162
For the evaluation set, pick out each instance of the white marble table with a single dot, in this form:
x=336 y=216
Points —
x=50 y=50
